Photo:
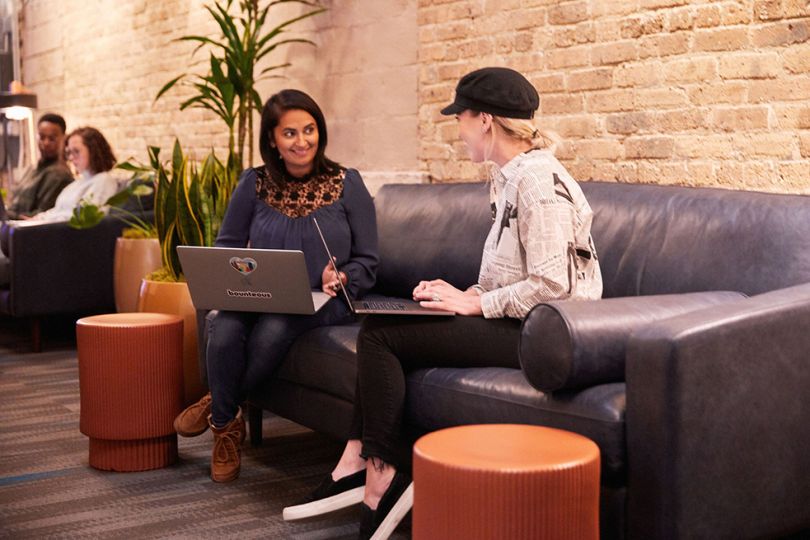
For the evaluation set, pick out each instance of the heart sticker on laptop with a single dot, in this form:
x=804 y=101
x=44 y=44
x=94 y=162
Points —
x=243 y=266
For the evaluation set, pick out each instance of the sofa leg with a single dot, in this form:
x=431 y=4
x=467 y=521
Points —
x=255 y=424
x=36 y=335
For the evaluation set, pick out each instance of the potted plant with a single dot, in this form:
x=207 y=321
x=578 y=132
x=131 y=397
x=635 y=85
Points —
x=229 y=87
x=190 y=202
x=191 y=198
x=137 y=250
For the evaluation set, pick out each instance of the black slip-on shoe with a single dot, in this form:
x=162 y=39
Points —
x=329 y=496
x=394 y=505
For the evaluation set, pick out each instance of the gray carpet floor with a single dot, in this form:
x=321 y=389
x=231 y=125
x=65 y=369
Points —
x=48 y=490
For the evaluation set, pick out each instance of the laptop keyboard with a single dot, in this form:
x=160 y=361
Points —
x=391 y=306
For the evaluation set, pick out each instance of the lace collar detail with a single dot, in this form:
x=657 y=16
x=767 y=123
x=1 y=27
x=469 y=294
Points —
x=299 y=198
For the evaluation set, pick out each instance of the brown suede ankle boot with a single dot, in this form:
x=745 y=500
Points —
x=226 y=455
x=193 y=420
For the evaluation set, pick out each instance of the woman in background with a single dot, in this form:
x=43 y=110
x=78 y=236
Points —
x=91 y=155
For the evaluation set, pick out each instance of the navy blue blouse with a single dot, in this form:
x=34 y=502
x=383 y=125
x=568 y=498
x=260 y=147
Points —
x=349 y=225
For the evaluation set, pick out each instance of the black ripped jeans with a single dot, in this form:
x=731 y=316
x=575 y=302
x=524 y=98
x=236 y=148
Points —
x=390 y=347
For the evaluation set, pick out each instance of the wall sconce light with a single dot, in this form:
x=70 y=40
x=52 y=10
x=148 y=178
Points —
x=17 y=107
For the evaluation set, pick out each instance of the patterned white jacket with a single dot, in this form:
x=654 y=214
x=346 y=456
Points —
x=540 y=246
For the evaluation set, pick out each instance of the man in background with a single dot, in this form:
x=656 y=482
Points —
x=40 y=185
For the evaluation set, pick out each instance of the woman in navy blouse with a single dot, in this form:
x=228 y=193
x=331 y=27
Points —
x=273 y=208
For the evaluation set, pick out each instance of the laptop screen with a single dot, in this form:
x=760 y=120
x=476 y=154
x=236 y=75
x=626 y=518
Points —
x=332 y=262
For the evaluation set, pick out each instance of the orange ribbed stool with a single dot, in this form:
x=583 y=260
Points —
x=505 y=481
x=131 y=388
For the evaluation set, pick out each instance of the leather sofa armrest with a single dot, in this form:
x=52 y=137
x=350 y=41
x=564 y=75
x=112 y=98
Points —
x=718 y=422
x=577 y=344
x=57 y=269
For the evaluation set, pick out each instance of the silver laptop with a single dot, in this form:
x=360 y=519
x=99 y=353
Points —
x=239 y=279
x=386 y=306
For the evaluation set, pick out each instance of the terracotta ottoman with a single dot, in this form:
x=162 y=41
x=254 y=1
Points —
x=131 y=387
x=505 y=481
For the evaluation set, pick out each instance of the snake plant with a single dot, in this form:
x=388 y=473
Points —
x=190 y=202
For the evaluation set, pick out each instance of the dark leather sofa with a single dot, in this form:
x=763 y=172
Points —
x=699 y=401
x=51 y=269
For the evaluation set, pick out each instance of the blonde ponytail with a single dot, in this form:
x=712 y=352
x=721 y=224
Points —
x=525 y=130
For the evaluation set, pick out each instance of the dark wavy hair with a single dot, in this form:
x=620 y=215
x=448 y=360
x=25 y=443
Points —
x=102 y=158
x=274 y=108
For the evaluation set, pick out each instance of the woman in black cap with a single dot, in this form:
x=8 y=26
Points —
x=539 y=249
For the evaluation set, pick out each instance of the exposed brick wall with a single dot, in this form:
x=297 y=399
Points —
x=101 y=62
x=661 y=91
x=666 y=91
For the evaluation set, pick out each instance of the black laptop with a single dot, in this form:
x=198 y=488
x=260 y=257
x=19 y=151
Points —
x=386 y=306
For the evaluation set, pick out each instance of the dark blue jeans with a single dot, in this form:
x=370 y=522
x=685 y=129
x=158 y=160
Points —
x=245 y=348
x=390 y=347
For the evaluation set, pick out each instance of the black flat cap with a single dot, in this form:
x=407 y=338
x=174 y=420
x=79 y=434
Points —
x=495 y=90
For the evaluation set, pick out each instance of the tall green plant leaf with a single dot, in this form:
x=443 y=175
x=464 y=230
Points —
x=208 y=183
x=228 y=89
x=168 y=86
x=164 y=205
x=154 y=156
x=195 y=234
x=168 y=249
x=202 y=41
x=178 y=161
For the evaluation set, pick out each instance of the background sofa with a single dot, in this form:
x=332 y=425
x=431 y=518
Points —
x=51 y=268
x=692 y=374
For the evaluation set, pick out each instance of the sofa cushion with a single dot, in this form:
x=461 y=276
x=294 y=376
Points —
x=324 y=359
x=650 y=239
x=667 y=239
x=570 y=345
x=430 y=231
x=444 y=397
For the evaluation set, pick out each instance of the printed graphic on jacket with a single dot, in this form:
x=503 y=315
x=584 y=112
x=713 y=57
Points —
x=509 y=212
x=539 y=247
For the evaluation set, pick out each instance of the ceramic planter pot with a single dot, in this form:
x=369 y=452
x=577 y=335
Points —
x=134 y=258
x=174 y=298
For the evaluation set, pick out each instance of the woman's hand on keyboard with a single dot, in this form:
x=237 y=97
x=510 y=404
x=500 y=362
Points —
x=438 y=294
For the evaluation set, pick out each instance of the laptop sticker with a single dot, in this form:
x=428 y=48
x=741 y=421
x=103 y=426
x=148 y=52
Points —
x=243 y=266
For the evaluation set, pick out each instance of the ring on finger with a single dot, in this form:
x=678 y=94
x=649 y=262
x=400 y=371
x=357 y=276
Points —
x=436 y=298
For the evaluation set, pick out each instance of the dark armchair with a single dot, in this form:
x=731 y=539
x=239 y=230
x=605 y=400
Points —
x=52 y=269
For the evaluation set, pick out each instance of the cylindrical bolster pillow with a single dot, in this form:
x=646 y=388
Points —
x=577 y=344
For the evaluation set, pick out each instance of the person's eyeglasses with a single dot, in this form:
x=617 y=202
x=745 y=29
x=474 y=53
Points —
x=69 y=152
